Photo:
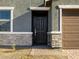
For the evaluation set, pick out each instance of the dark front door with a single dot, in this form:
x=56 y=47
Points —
x=40 y=28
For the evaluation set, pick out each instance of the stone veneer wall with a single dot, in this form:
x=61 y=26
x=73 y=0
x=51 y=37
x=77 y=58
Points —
x=55 y=40
x=18 y=39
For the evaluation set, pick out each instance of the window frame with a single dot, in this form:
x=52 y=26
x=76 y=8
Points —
x=11 y=17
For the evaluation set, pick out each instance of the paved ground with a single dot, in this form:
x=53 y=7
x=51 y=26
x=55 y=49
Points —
x=45 y=51
x=71 y=53
x=31 y=53
x=39 y=53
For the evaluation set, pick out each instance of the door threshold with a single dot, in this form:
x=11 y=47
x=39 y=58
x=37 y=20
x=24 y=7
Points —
x=41 y=46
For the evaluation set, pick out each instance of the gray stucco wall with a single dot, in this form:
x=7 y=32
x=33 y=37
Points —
x=22 y=14
x=21 y=21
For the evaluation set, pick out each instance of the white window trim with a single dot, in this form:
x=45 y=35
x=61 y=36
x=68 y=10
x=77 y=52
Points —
x=60 y=18
x=4 y=20
x=6 y=8
x=11 y=19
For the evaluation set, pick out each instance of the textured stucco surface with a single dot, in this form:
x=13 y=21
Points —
x=36 y=3
x=22 y=13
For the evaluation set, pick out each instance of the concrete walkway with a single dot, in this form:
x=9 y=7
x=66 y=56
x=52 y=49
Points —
x=33 y=53
x=39 y=53
x=46 y=52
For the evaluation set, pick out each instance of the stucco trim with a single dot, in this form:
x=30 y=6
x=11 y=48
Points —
x=6 y=8
x=12 y=9
x=68 y=6
x=16 y=33
x=60 y=18
x=39 y=8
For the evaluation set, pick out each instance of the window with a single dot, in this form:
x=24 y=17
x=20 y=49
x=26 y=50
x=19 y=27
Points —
x=6 y=16
x=5 y=20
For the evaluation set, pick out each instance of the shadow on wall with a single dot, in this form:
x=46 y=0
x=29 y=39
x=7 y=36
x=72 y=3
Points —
x=22 y=23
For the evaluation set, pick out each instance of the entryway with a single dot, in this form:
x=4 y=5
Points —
x=39 y=27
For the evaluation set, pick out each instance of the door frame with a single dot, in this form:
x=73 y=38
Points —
x=39 y=9
x=61 y=7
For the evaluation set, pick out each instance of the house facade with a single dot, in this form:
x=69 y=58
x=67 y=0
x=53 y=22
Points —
x=39 y=22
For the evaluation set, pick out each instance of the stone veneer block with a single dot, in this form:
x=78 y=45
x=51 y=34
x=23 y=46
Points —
x=18 y=39
x=56 y=40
